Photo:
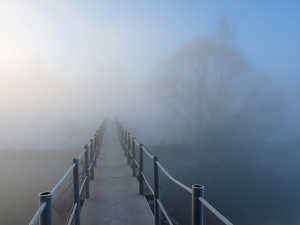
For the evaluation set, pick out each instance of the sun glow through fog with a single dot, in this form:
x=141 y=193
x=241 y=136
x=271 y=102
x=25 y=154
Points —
x=68 y=62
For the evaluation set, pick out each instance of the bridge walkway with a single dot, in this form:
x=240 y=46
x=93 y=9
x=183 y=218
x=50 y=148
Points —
x=114 y=195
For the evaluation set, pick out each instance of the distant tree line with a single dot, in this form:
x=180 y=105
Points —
x=209 y=91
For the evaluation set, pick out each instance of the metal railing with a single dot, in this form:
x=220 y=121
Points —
x=128 y=143
x=91 y=152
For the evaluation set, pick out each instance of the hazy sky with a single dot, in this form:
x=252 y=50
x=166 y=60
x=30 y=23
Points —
x=62 y=62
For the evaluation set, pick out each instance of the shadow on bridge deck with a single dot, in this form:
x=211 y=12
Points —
x=114 y=194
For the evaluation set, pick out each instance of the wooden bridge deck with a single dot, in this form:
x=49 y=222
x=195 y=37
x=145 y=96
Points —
x=114 y=195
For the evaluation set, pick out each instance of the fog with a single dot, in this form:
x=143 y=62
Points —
x=168 y=72
x=66 y=66
x=63 y=72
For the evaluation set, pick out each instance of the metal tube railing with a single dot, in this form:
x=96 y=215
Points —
x=87 y=173
x=173 y=179
x=72 y=214
x=133 y=157
x=38 y=213
x=91 y=167
x=149 y=186
x=96 y=137
x=82 y=154
x=136 y=164
x=62 y=179
x=164 y=212
x=141 y=178
x=82 y=186
x=147 y=153
x=128 y=149
x=197 y=191
x=46 y=217
x=92 y=158
x=76 y=194
x=44 y=213
x=214 y=211
x=156 y=185
x=197 y=206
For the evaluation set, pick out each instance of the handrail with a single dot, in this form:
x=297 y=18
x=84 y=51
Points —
x=196 y=191
x=38 y=213
x=82 y=186
x=147 y=153
x=136 y=163
x=136 y=142
x=82 y=153
x=214 y=211
x=130 y=152
x=149 y=186
x=62 y=179
x=45 y=210
x=164 y=212
x=173 y=179
x=62 y=193
x=72 y=214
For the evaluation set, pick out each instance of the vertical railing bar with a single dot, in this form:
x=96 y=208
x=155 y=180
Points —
x=133 y=157
x=46 y=217
x=87 y=174
x=156 y=184
x=141 y=179
x=128 y=149
x=92 y=158
x=45 y=212
x=197 y=206
x=95 y=148
x=125 y=143
x=76 y=190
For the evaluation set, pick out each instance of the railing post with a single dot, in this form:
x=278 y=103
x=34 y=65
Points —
x=156 y=190
x=92 y=158
x=87 y=172
x=95 y=149
x=197 y=206
x=141 y=178
x=125 y=136
x=98 y=143
x=122 y=139
x=119 y=131
x=128 y=149
x=46 y=218
x=133 y=157
x=123 y=145
x=76 y=188
x=125 y=142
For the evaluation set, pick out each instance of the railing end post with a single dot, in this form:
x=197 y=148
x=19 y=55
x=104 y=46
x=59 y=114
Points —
x=46 y=217
x=197 y=206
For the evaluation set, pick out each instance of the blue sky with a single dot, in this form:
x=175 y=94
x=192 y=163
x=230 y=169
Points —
x=142 y=32
x=56 y=55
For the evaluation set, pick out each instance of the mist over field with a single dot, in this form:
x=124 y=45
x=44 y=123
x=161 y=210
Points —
x=65 y=66
x=210 y=83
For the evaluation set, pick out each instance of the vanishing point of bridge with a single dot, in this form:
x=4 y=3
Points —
x=111 y=190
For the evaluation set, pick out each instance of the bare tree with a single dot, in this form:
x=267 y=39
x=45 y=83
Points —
x=208 y=90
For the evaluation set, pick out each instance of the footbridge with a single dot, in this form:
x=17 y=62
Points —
x=111 y=187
